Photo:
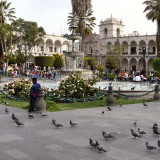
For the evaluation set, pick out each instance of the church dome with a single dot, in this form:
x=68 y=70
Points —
x=111 y=20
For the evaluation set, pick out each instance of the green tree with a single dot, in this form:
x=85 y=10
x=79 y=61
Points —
x=115 y=53
x=156 y=64
x=6 y=14
x=20 y=57
x=153 y=13
x=111 y=63
x=100 y=68
x=28 y=31
x=58 y=62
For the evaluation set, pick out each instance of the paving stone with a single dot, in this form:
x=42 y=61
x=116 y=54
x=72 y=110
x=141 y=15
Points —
x=54 y=147
x=16 y=154
x=9 y=138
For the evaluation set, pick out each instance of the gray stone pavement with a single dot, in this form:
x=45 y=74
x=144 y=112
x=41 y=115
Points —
x=38 y=139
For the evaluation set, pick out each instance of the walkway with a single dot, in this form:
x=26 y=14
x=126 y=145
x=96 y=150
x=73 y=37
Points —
x=38 y=139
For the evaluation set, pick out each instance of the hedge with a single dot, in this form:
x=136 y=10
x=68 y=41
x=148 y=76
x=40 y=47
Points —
x=44 y=61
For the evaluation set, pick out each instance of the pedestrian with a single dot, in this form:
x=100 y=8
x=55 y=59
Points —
x=33 y=94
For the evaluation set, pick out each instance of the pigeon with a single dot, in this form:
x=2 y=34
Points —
x=14 y=117
x=72 y=124
x=132 y=89
x=134 y=134
x=135 y=123
x=18 y=123
x=109 y=109
x=101 y=149
x=93 y=144
x=149 y=147
x=6 y=110
x=156 y=131
x=105 y=87
x=6 y=103
x=120 y=104
x=145 y=104
x=30 y=116
x=155 y=126
x=44 y=115
x=107 y=135
x=141 y=132
x=102 y=112
x=57 y=125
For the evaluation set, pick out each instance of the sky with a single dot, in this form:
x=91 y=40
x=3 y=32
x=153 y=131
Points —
x=52 y=14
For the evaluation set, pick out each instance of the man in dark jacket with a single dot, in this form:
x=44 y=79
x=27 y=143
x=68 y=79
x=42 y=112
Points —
x=33 y=93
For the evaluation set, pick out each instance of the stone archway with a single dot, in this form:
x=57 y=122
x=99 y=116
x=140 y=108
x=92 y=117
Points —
x=125 y=47
x=133 y=64
x=57 y=48
x=49 y=46
x=124 y=64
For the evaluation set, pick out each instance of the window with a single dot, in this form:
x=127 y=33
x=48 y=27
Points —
x=42 y=49
x=154 y=49
x=91 y=50
x=133 y=50
x=50 y=49
x=118 y=32
x=55 y=49
x=105 y=32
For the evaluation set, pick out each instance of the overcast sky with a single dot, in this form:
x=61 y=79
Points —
x=52 y=14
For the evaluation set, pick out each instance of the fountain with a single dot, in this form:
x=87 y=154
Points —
x=73 y=58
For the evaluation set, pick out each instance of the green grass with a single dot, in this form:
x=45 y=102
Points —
x=52 y=106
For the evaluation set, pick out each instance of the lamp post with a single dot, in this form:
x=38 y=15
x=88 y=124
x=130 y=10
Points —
x=25 y=57
x=144 y=58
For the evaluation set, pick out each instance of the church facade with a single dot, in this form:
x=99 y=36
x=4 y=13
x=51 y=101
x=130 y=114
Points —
x=111 y=31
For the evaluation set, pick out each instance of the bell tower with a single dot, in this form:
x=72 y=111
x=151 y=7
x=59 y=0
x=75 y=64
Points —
x=111 y=27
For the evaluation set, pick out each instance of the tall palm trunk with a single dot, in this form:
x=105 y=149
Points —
x=1 y=60
x=158 y=38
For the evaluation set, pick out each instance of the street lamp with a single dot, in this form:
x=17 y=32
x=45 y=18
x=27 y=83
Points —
x=25 y=57
x=144 y=58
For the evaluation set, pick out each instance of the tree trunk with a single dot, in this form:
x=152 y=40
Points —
x=1 y=60
x=158 y=38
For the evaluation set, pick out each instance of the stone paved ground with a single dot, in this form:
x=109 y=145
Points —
x=40 y=140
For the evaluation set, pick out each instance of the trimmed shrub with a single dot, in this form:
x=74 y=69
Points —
x=44 y=61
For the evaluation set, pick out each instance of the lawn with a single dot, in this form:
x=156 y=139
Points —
x=52 y=106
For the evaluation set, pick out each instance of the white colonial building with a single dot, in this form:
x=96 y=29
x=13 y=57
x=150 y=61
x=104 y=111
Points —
x=111 y=31
x=48 y=46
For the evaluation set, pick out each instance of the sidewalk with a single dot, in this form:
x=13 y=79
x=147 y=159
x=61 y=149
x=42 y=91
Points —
x=38 y=139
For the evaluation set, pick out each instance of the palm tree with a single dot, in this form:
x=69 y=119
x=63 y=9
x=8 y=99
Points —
x=82 y=9
x=88 y=23
x=6 y=14
x=153 y=9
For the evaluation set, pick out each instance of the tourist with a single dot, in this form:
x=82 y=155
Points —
x=33 y=94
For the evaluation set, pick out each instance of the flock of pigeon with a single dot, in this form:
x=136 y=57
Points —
x=95 y=144
x=141 y=133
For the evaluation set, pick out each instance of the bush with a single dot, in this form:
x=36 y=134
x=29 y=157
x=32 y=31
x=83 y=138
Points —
x=75 y=87
x=44 y=61
x=156 y=64
x=111 y=77
x=100 y=68
x=58 y=63
x=19 y=88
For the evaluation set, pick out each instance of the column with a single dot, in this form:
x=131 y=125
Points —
x=44 y=47
x=53 y=45
x=129 y=65
x=137 y=65
x=137 y=49
x=129 y=49
x=147 y=50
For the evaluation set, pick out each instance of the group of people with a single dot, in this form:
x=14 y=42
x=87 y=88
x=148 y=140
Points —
x=42 y=74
